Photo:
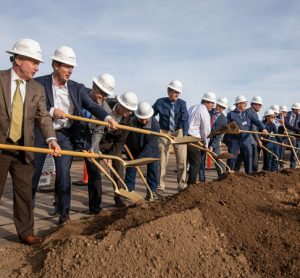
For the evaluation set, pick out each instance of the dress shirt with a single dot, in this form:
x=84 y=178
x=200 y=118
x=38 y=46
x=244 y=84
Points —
x=62 y=101
x=162 y=107
x=199 y=122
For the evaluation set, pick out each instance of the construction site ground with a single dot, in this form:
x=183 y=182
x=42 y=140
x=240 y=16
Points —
x=236 y=226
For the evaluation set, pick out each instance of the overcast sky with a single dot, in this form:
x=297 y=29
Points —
x=230 y=47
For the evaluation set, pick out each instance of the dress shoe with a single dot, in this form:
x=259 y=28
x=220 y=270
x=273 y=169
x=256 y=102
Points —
x=31 y=240
x=64 y=219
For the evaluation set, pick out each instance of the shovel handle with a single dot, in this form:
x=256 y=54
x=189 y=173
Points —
x=119 y=126
x=140 y=173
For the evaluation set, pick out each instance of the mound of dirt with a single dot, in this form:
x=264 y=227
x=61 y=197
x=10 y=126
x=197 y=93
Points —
x=238 y=226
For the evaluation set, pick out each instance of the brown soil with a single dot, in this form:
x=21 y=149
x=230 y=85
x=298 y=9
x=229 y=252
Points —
x=238 y=226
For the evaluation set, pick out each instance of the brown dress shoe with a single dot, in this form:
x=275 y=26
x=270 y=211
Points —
x=31 y=240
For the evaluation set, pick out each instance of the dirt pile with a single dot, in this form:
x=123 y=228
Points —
x=238 y=226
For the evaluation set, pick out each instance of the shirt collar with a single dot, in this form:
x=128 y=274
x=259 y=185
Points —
x=65 y=86
x=15 y=77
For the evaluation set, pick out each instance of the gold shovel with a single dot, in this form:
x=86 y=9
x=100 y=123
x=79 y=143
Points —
x=176 y=140
x=276 y=157
x=149 y=191
x=214 y=156
x=233 y=128
x=120 y=191
x=130 y=163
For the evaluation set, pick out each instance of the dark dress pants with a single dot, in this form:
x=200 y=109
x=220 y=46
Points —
x=21 y=174
x=63 y=176
x=244 y=147
x=196 y=160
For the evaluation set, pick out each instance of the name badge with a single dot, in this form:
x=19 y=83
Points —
x=244 y=123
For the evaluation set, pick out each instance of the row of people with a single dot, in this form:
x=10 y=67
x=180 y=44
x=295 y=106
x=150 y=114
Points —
x=44 y=120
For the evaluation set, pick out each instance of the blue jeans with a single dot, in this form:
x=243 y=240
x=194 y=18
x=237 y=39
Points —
x=152 y=176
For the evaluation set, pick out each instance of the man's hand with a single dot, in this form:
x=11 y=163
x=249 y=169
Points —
x=107 y=162
x=264 y=131
x=112 y=123
x=58 y=114
x=259 y=143
x=55 y=147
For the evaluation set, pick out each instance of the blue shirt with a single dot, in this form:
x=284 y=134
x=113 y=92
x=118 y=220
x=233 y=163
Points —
x=162 y=108
x=244 y=121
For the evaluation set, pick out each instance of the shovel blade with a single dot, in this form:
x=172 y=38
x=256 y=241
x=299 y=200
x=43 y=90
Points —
x=133 y=196
x=225 y=156
x=140 y=161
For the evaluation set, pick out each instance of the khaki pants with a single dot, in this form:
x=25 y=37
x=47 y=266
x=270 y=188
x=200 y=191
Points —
x=181 y=156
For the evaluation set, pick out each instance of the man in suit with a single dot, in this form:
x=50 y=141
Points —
x=173 y=120
x=22 y=101
x=218 y=120
x=64 y=96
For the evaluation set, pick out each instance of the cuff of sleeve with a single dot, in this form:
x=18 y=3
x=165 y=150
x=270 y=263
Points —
x=51 y=112
x=50 y=138
x=107 y=118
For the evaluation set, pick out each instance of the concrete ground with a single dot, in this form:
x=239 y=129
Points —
x=79 y=204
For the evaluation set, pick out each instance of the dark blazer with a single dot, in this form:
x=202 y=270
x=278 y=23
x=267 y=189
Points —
x=34 y=110
x=219 y=122
x=144 y=145
x=80 y=97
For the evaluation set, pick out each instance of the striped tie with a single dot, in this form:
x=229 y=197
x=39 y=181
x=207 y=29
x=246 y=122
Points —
x=172 y=118
x=15 y=132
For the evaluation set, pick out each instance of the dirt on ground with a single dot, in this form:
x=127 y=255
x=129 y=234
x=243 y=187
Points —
x=237 y=226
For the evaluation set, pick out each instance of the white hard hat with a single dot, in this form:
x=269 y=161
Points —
x=128 y=100
x=283 y=108
x=257 y=100
x=106 y=82
x=144 y=110
x=210 y=96
x=223 y=101
x=240 y=99
x=275 y=108
x=269 y=112
x=176 y=85
x=65 y=54
x=28 y=48
x=231 y=108
x=296 y=105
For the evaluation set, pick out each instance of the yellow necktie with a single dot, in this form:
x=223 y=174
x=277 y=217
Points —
x=15 y=132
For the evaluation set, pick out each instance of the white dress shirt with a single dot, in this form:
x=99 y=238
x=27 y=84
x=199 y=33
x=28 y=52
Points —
x=62 y=101
x=199 y=122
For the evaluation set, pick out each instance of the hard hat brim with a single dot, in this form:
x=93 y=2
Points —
x=131 y=108
x=143 y=117
x=175 y=89
x=222 y=105
x=25 y=55
x=210 y=100
x=105 y=90
x=57 y=59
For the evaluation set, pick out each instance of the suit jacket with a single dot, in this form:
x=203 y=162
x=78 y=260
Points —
x=80 y=97
x=218 y=123
x=34 y=110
